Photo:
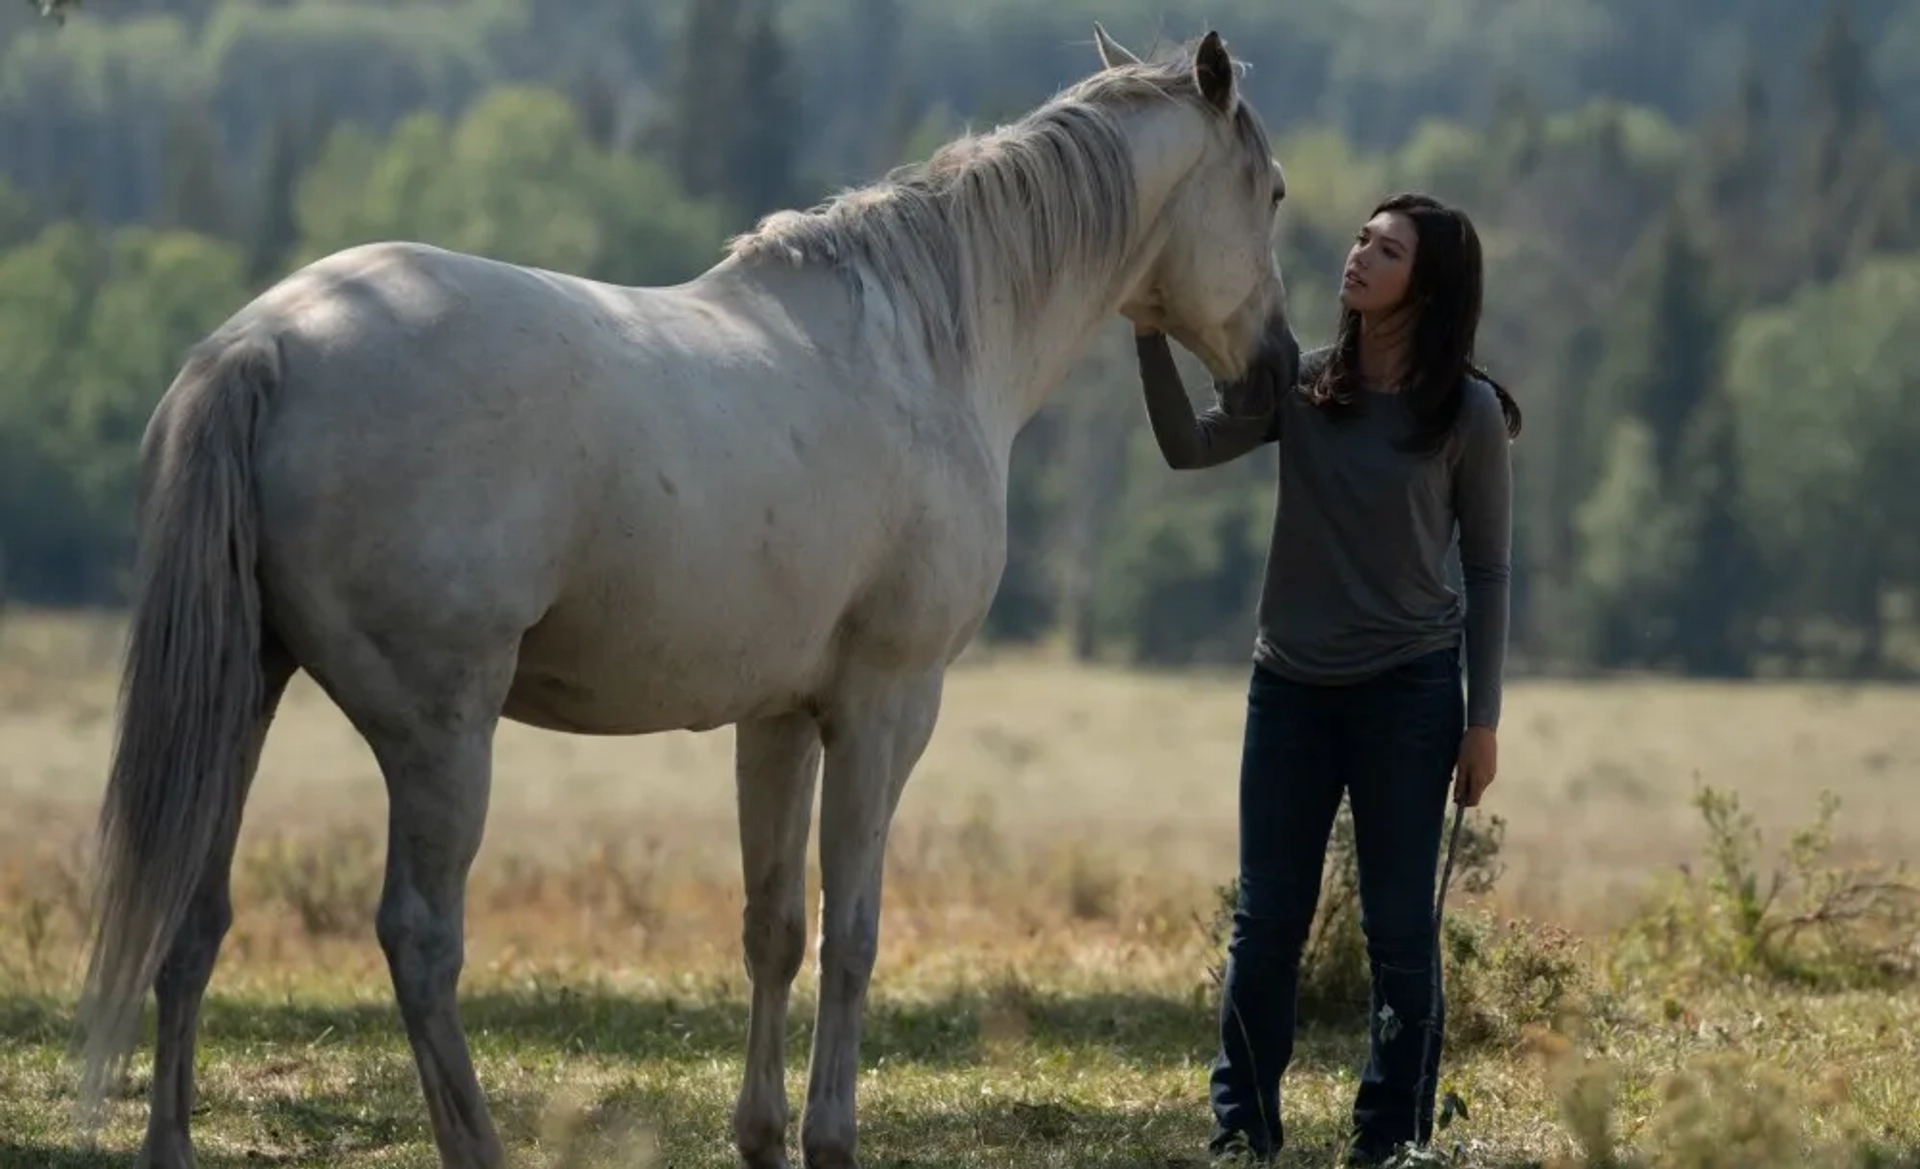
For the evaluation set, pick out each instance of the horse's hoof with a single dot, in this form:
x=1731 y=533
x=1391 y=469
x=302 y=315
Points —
x=171 y=1152
x=831 y=1158
x=768 y=1157
x=761 y=1139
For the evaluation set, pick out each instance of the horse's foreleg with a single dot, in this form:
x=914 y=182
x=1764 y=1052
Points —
x=181 y=984
x=775 y=764
x=874 y=738
x=438 y=772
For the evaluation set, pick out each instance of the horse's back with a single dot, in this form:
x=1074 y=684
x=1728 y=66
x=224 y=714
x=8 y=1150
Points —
x=654 y=496
x=427 y=423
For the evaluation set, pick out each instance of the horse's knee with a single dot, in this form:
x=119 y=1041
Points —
x=847 y=956
x=774 y=933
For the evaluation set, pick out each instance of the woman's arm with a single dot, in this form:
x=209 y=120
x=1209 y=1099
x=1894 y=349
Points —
x=1483 y=501
x=1214 y=436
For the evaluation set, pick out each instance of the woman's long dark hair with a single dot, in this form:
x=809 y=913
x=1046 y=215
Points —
x=1444 y=292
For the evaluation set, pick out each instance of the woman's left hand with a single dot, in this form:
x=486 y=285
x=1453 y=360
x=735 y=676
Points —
x=1479 y=760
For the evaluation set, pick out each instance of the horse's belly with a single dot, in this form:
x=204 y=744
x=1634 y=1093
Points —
x=565 y=702
x=653 y=666
x=692 y=648
x=617 y=701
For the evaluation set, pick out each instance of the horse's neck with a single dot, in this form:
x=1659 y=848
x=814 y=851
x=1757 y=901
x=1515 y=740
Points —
x=1019 y=358
x=1016 y=364
x=1014 y=381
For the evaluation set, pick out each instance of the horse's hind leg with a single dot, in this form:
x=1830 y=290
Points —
x=434 y=742
x=188 y=966
x=775 y=764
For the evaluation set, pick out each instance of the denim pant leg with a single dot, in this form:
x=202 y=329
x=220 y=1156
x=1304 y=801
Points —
x=1289 y=792
x=1402 y=737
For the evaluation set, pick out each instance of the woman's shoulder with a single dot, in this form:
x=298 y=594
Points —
x=1481 y=430
x=1480 y=401
x=1312 y=361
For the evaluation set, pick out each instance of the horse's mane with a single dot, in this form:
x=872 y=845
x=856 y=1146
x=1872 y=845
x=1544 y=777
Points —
x=1010 y=211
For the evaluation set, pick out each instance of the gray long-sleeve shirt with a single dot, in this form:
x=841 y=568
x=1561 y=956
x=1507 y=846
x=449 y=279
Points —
x=1356 y=571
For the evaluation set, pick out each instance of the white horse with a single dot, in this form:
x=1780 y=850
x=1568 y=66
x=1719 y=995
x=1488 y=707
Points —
x=454 y=490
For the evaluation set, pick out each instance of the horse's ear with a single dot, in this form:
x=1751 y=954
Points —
x=1111 y=54
x=1213 y=70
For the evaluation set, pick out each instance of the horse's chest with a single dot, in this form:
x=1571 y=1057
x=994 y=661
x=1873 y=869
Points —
x=935 y=587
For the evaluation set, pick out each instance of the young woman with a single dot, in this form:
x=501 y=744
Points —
x=1391 y=440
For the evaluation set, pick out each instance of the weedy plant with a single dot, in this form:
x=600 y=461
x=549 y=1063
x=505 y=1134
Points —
x=1799 y=917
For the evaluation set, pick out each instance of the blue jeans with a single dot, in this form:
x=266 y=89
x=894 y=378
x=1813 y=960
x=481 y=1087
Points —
x=1389 y=743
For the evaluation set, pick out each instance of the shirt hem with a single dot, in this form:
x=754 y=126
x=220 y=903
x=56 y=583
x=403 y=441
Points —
x=1270 y=658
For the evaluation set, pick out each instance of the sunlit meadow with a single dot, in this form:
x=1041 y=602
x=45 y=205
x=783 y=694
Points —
x=1647 y=966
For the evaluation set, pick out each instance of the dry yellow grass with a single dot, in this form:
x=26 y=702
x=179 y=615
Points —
x=1040 y=997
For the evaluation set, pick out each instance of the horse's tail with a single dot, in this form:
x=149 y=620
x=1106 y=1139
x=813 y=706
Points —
x=191 y=688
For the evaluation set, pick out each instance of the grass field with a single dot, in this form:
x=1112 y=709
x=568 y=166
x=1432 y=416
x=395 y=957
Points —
x=1043 y=994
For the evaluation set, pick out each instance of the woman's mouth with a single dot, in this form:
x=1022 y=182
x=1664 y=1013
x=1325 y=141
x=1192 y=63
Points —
x=1351 y=280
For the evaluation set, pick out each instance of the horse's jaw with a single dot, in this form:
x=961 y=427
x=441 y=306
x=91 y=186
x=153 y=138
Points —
x=1223 y=358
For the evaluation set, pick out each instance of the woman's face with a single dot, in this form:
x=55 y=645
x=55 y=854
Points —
x=1379 y=265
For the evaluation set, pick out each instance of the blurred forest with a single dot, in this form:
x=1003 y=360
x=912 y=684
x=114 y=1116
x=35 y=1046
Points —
x=1702 y=222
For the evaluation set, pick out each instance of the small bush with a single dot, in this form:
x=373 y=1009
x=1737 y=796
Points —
x=330 y=880
x=1503 y=977
x=1796 y=919
x=1718 y=1111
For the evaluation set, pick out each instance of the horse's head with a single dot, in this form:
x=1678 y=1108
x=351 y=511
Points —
x=1208 y=278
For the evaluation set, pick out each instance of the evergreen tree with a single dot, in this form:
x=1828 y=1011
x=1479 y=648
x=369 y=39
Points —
x=1559 y=449
x=733 y=116
x=703 y=105
x=880 y=85
x=273 y=226
x=1661 y=342
x=1517 y=133
x=1734 y=189
x=1843 y=151
x=1719 y=583
x=598 y=99
x=193 y=192
x=762 y=143
x=1662 y=358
